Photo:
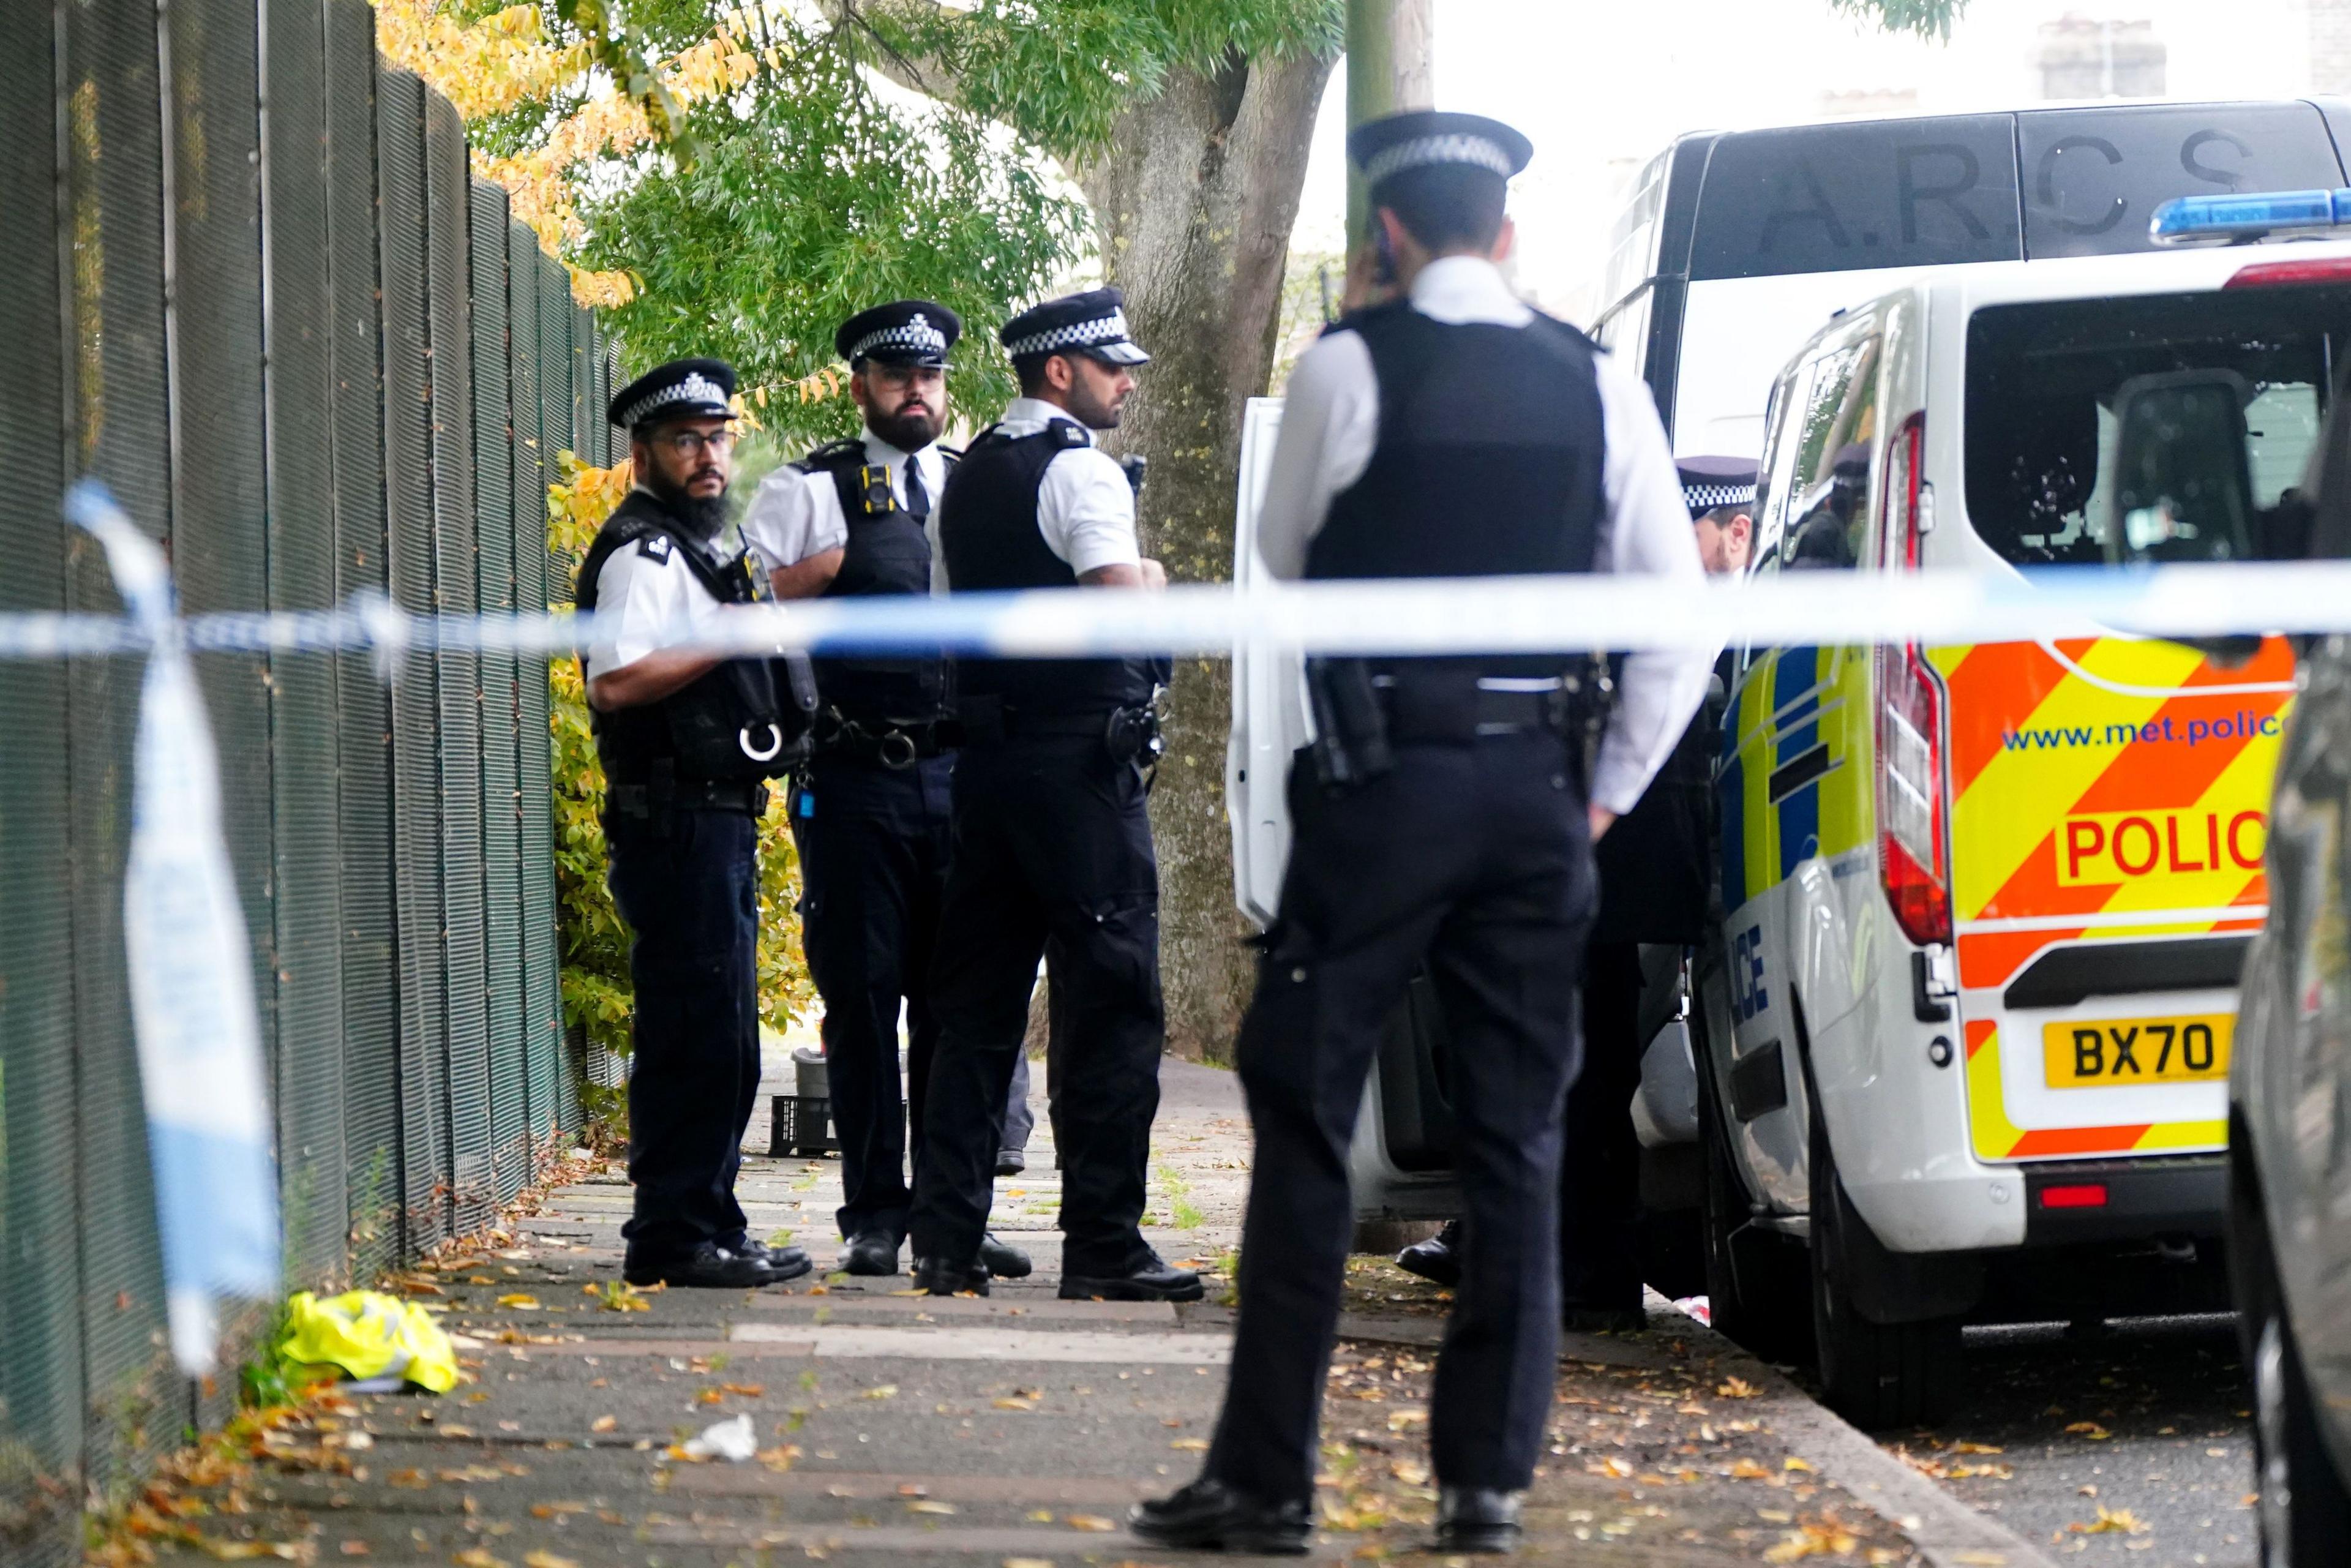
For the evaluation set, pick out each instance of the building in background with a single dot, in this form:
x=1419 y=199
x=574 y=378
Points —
x=2079 y=57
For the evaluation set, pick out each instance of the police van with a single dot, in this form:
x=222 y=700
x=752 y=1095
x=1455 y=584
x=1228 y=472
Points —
x=1966 y=1035
x=1733 y=247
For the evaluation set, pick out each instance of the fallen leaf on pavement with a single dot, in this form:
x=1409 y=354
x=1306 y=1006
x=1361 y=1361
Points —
x=1736 y=1388
x=1016 y=1404
x=1748 y=1471
x=2090 y=1429
x=881 y=1391
x=1976 y=1557
x=1793 y=1463
x=1614 y=1468
x=603 y=1422
x=2113 y=1522
x=1089 y=1521
x=541 y=1558
x=1967 y=1448
x=526 y=1302
x=1190 y=1444
x=556 y=1510
x=1028 y=1562
x=478 y=1557
x=247 y=1550
x=1813 y=1538
x=926 y=1505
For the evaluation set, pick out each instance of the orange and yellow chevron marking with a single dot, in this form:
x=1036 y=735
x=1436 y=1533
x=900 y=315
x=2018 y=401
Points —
x=1996 y=1137
x=2098 y=778
x=2091 y=779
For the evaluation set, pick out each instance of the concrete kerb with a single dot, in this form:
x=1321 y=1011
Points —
x=1946 y=1532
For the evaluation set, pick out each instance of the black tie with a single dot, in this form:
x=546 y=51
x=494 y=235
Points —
x=918 y=498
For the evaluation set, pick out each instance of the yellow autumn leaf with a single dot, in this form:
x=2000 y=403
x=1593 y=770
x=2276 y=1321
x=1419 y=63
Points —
x=2112 y=1522
x=1190 y=1444
x=1736 y=1388
x=881 y=1391
x=539 y=1557
x=925 y=1505
x=1793 y=1463
x=603 y=1422
x=478 y=1557
x=2090 y=1429
x=520 y=1300
x=1748 y=1471
x=1093 y=1523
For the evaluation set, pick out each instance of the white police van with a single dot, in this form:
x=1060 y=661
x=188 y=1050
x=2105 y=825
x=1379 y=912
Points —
x=1731 y=249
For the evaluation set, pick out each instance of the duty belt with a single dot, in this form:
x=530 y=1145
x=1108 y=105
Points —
x=1490 y=712
x=644 y=800
x=893 y=745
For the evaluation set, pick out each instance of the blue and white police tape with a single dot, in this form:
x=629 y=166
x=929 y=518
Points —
x=1519 y=614
x=189 y=971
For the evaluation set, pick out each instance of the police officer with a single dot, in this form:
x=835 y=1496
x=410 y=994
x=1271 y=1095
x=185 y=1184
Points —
x=1051 y=844
x=869 y=810
x=687 y=739
x=1440 y=821
x=1656 y=891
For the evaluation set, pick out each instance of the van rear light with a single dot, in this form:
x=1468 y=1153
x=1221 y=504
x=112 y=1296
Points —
x=2315 y=270
x=2078 y=1195
x=1910 y=860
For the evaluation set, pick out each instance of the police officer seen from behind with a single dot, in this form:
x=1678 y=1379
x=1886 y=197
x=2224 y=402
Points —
x=1440 y=822
x=1051 y=844
x=687 y=739
x=869 y=810
x=1656 y=891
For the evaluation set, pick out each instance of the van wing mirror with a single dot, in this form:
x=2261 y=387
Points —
x=2183 y=488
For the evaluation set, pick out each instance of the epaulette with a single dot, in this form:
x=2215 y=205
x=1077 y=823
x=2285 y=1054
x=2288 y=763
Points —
x=950 y=455
x=832 y=455
x=654 y=547
x=1068 y=433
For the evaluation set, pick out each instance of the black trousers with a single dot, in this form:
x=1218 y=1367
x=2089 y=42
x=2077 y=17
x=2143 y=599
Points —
x=1052 y=844
x=1600 y=1167
x=687 y=883
x=873 y=845
x=1474 y=861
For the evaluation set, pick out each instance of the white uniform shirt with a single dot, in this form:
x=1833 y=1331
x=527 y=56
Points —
x=1331 y=423
x=1085 y=508
x=647 y=599
x=794 y=516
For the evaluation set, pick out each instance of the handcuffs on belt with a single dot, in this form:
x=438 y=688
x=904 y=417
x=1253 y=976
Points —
x=894 y=749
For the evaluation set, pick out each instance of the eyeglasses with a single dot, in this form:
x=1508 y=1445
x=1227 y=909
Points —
x=693 y=443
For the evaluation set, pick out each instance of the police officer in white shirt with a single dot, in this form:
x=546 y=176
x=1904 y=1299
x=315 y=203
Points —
x=1051 y=842
x=1444 y=823
x=687 y=739
x=869 y=808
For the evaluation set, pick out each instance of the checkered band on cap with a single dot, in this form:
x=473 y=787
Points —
x=1706 y=497
x=1110 y=329
x=695 y=388
x=916 y=335
x=1422 y=151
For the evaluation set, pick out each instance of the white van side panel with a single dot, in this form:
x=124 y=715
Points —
x=1267 y=715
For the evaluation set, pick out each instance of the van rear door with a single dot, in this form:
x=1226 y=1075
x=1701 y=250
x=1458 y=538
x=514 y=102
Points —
x=2108 y=796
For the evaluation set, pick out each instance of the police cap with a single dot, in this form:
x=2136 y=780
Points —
x=682 y=388
x=1711 y=482
x=903 y=332
x=1428 y=139
x=1092 y=323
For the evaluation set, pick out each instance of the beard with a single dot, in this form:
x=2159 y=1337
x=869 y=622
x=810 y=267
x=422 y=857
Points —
x=702 y=518
x=908 y=432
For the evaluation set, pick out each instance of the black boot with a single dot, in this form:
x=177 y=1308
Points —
x=710 y=1267
x=1209 y=1515
x=935 y=1277
x=1153 y=1281
x=1001 y=1261
x=870 y=1253
x=1477 y=1519
x=783 y=1262
x=1436 y=1260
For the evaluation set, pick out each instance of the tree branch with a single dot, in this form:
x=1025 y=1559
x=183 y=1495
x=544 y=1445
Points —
x=932 y=79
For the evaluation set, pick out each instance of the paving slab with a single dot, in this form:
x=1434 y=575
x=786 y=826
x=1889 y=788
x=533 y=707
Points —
x=902 y=1429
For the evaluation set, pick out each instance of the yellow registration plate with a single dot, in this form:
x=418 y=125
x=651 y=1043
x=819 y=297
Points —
x=2111 y=1053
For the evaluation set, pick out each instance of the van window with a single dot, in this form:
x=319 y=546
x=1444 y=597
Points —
x=2093 y=177
x=1839 y=198
x=1828 y=502
x=2041 y=384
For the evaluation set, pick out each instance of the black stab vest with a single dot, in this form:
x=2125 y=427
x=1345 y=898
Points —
x=1489 y=464
x=886 y=553
x=988 y=528
x=696 y=730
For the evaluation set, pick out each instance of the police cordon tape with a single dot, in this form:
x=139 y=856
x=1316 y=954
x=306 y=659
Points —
x=1514 y=615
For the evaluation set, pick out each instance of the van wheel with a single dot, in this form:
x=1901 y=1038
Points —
x=1754 y=1279
x=1875 y=1374
x=2305 y=1511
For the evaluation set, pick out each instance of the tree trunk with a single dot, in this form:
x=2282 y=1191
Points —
x=1193 y=203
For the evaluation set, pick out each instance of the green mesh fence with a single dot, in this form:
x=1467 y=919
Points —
x=256 y=292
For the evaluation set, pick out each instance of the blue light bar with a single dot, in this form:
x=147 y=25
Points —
x=2190 y=220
